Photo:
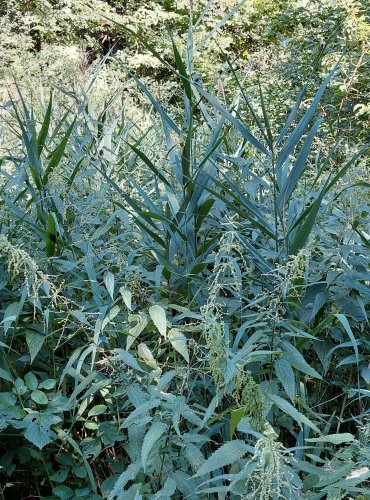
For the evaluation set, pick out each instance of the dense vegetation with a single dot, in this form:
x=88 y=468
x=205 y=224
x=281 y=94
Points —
x=184 y=250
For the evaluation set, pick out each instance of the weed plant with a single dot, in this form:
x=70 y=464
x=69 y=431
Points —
x=184 y=309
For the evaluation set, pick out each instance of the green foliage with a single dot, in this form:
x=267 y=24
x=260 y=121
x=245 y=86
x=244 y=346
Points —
x=184 y=303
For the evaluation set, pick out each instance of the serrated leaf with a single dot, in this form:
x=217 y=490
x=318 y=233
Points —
x=38 y=428
x=285 y=374
x=34 y=343
x=158 y=315
x=126 y=297
x=140 y=412
x=292 y=412
x=178 y=342
x=128 y=475
x=227 y=454
x=151 y=437
x=97 y=410
x=39 y=397
x=344 y=437
x=31 y=381
x=295 y=358
x=167 y=491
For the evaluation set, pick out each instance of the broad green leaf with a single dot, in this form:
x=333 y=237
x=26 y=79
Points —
x=39 y=397
x=45 y=126
x=291 y=117
x=20 y=386
x=229 y=116
x=97 y=410
x=91 y=426
x=146 y=354
x=66 y=437
x=38 y=428
x=109 y=283
x=178 y=342
x=126 y=297
x=158 y=315
x=298 y=132
x=10 y=315
x=306 y=222
x=299 y=166
x=167 y=491
x=57 y=154
x=184 y=77
x=7 y=399
x=31 y=381
x=48 y=384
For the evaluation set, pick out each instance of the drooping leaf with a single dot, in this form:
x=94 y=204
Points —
x=158 y=315
x=178 y=342
x=126 y=297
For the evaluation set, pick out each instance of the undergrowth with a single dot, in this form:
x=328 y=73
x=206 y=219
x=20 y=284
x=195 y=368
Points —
x=185 y=308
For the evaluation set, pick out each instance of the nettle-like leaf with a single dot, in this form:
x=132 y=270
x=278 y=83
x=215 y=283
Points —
x=153 y=435
x=38 y=427
x=285 y=374
x=35 y=342
x=227 y=454
x=118 y=491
